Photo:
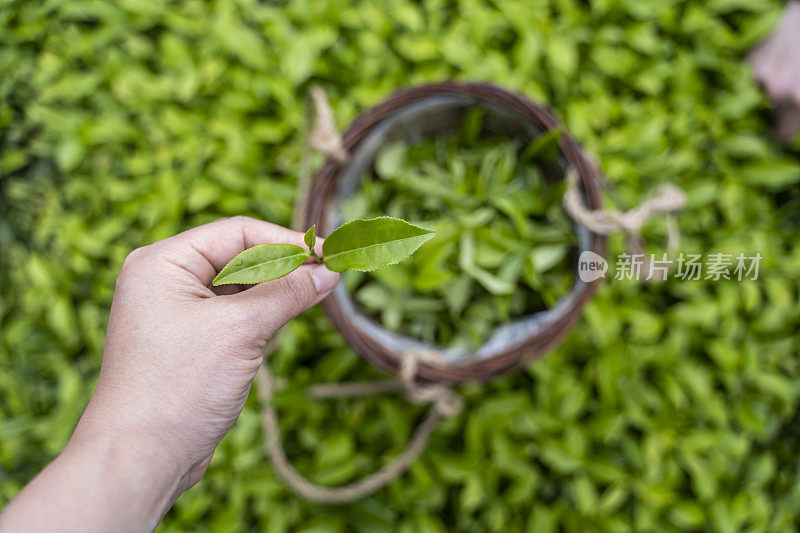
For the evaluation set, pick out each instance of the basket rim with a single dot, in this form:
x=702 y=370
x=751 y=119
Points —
x=324 y=189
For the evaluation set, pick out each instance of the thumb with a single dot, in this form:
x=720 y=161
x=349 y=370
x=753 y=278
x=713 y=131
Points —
x=271 y=304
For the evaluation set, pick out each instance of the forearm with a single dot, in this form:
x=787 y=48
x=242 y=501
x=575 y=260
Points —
x=98 y=483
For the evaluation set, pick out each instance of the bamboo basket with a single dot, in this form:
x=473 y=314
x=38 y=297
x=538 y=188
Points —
x=411 y=115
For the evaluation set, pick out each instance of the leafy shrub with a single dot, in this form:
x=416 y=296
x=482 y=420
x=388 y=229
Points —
x=669 y=407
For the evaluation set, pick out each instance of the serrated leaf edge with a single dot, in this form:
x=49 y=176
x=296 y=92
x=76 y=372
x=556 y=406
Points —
x=427 y=236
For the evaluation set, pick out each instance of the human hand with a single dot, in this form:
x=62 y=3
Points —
x=776 y=66
x=177 y=366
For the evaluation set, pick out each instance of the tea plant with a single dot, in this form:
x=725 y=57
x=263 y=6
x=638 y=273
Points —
x=667 y=408
x=503 y=242
x=357 y=245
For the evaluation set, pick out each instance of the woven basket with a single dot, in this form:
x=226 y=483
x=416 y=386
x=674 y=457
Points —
x=412 y=115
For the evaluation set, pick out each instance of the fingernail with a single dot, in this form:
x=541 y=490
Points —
x=324 y=280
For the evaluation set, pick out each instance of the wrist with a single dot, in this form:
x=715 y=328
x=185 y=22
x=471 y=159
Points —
x=100 y=482
x=131 y=474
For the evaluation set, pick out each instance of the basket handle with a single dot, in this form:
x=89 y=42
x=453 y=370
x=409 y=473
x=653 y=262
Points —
x=444 y=403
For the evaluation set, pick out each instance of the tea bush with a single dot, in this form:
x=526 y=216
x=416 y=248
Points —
x=669 y=407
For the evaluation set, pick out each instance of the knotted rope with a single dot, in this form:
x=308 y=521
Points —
x=324 y=137
x=445 y=403
x=668 y=200
x=443 y=399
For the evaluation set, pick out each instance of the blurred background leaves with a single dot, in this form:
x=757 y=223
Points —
x=669 y=407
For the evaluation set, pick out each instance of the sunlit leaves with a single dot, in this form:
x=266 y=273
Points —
x=122 y=123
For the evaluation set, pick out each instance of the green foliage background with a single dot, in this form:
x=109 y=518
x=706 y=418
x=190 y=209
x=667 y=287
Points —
x=669 y=407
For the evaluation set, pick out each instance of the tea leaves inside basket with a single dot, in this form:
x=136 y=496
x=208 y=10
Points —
x=503 y=243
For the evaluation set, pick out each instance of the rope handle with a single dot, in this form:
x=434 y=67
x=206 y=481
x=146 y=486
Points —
x=444 y=402
x=321 y=136
x=324 y=138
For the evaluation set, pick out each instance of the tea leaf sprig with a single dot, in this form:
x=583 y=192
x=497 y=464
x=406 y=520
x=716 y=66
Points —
x=362 y=245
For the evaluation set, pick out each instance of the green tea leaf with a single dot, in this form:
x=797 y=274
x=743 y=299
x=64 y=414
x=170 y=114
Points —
x=311 y=238
x=471 y=125
x=490 y=282
x=543 y=147
x=391 y=160
x=776 y=174
x=374 y=296
x=264 y=262
x=458 y=294
x=372 y=244
x=545 y=257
